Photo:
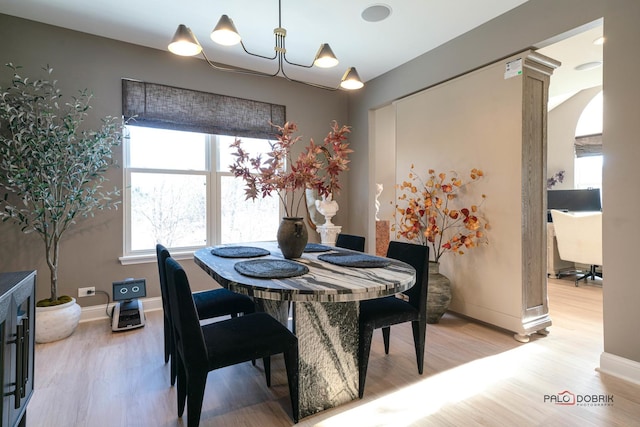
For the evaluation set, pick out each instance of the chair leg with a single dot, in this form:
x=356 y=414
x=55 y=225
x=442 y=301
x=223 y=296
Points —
x=167 y=340
x=174 y=364
x=195 y=396
x=267 y=369
x=589 y=274
x=174 y=357
x=291 y=365
x=419 y=335
x=386 y=332
x=364 y=347
x=182 y=387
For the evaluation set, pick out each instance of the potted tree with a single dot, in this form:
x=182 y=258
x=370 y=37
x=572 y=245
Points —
x=51 y=174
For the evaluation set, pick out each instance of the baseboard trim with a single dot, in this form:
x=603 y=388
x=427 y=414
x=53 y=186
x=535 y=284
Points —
x=99 y=312
x=620 y=367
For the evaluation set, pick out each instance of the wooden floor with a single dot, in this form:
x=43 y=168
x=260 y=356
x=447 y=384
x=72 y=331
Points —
x=474 y=375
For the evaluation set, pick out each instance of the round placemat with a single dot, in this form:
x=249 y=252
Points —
x=270 y=268
x=239 y=251
x=349 y=259
x=317 y=247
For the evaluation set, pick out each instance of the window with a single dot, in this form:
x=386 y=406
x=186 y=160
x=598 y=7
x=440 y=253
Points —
x=243 y=220
x=178 y=187
x=180 y=192
x=588 y=161
x=588 y=172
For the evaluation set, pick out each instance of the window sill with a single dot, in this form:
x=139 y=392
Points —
x=152 y=258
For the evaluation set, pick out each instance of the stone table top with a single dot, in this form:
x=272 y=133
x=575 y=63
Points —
x=324 y=282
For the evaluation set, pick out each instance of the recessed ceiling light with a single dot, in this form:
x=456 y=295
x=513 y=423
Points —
x=599 y=41
x=376 y=13
x=588 y=66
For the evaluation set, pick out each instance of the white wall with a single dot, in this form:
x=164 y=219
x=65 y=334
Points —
x=474 y=121
x=385 y=148
x=561 y=132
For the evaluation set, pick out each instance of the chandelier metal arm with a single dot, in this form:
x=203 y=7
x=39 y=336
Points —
x=271 y=58
x=238 y=70
x=280 y=70
x=284 y=56
x=185 y=43
x=284 y=74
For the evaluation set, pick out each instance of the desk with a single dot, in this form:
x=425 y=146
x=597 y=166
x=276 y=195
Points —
x=325 y=315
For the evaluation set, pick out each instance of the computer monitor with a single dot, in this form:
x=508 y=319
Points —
x=578 y=200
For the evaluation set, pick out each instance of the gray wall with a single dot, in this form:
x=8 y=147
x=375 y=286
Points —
x=90 y=256
x=89 y=253
x=528 y=25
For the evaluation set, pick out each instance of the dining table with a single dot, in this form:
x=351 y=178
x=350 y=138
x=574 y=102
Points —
x=321 y=290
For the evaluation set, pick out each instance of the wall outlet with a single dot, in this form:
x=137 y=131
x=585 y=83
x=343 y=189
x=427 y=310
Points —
x=86 y=292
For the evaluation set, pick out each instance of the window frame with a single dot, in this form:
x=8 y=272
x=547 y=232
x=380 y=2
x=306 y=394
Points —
x=213 y=180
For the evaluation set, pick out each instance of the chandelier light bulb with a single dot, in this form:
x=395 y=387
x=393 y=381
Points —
x=184 y=43
x=351 y=80
x=325 y=57
x=225 y=32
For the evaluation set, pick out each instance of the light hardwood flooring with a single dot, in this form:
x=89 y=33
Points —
x=474 y=375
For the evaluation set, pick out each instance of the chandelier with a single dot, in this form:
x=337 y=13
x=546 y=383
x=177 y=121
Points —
x=184 y=43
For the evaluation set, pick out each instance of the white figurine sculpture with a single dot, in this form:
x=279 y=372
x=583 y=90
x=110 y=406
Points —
x=379 y=188
x=328 y=231
x=328 y=208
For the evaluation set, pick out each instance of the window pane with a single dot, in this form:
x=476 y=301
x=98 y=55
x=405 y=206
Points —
x=166 y=149
x=168 y=209
x=251 y=145
x=246 y=220
x=588 y=172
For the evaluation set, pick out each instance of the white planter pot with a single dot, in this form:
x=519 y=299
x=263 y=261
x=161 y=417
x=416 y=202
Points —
x=57 y=322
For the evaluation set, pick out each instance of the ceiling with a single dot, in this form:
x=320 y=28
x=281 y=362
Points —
x=573 y=51
x=412 y=28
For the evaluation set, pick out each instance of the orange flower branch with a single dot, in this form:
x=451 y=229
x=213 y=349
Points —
x=432 y=217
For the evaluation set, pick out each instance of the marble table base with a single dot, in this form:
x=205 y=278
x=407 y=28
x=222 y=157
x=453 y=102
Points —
x=328 y=351
x=328 y=347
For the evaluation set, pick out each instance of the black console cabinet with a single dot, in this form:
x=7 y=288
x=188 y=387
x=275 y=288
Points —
x=17 y=332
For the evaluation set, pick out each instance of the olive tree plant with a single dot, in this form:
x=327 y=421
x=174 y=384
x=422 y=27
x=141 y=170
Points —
x=51 y=167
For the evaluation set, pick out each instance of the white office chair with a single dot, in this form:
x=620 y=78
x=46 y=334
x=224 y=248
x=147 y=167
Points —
x=579 y=236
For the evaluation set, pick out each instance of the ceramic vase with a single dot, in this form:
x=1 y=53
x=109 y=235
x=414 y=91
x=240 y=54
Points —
x=57 y=322
x=292 y=237
x=438 y=294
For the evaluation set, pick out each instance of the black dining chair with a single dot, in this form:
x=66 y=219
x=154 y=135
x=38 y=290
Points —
x=204 y=348
x=384 y=312
x=209 y=304
x=349 y=241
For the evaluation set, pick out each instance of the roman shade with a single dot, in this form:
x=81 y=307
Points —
x=167 y=107
x=588 y=145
